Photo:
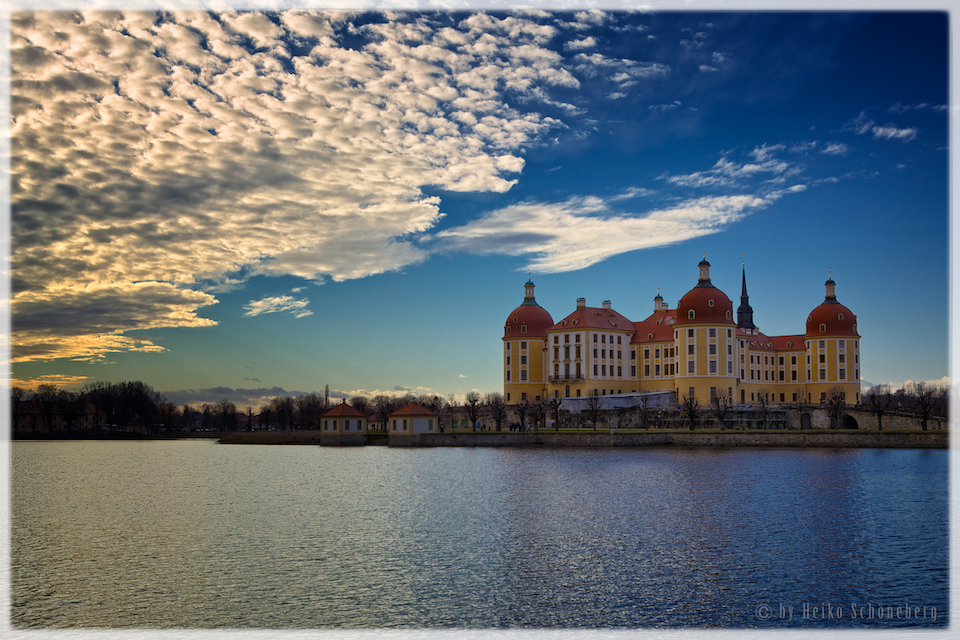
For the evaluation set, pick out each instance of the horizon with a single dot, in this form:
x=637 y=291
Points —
x=244 y=205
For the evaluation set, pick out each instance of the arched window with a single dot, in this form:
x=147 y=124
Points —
x=690 y=314
x=823 y=327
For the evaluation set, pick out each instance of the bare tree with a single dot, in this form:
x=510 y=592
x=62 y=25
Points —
x=18 y=399
x=643 y=411
x=538 y=411
x=472 y=404
x=46 y=399
x=360 y=403
x=383 y=406
x=593 y=408
x=555 y=412
x=836 y=403
x=523 y=410
x=168 y=414
x=691 y=408
x=801 y=405
x=453 y=408
x=879 y=399
x=763 y=408
x=497 y=407
x=720 y=406
x=70 y=408
x=926 y=397
x=225 y=413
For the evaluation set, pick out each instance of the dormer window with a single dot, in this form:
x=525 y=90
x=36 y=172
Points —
x=840 y=317
x=709 y=303
x=523 y=329
x=690 y=314
x=728 y=314
x=514 y=321
x=823 y=327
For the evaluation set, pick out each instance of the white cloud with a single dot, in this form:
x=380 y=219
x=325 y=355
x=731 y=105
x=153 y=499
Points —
x=577 y=45
x=728 y=173
x=171 y=151
x=276 y=304
x=705 y=68
x=836 y=149
x=890 y=132
x=579 y=232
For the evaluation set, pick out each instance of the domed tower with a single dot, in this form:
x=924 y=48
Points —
x=525 y=350
x=833 y=349
x=705 y=334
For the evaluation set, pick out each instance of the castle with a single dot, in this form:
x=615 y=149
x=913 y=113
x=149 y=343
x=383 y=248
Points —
x=698 y=350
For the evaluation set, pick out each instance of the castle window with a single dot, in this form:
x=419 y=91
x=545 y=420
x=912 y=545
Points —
x=840 y=343
x=578 y=393
x=729 y=349
x=781 y=361
x=523 y=345
x=793 y=375
x=690 y=314
x=514 y=321
x=790 y=344
x=556 y=353
x=566 y=337
x=594 y=337
x=509 y=329
x=781 y=376
x=709 y=303
x=523 y=359
x=823 y=358
x=523 y=374
x=713 y=333
x=728 y=317
x=841 y=358
x=508 y=361
x=690 y=367
x=823 y=343
x=713 y=366
x=656 y=353
x=595 y=369
x=578 y=351
x=508 y=376
x=843 y=374
x=603 y=338
x=713 y=349
x=823 y=327
x=646 y=354
x=729 y=367
x=690 y=331
x=840 y=316
x=523 y=329
x=656 y=370
x=728 y=331
x=523 y=396
x=566 y=352
x=577 y=338
x=633 y=371
x=603 y=370
x=619 y=339
x=823 y=374
x=690 y=349
x=633 y=354
x=646 y=370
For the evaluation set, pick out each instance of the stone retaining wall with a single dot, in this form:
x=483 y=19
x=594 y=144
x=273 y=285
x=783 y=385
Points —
x=834 y=439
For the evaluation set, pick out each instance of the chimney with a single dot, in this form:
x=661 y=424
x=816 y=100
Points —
x=606 y=304
x=581 y=303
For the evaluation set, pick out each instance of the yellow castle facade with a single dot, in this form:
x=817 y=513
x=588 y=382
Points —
x=701 y=349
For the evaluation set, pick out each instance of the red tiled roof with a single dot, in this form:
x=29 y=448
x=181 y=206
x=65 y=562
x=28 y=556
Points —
x=533 y=316
x=413 y=409
x=344 y=409
x=698 y=299
x=594 y=318
x=839 y=321
x=796 y=343
x=644 y=330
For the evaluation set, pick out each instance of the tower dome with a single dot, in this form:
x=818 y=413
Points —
x=831 y=318
x=705 y=303
x=529 y=319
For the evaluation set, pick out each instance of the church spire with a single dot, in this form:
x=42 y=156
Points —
x=528 y=291
x=745 y=311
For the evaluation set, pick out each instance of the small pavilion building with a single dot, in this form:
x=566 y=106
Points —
x=343 y=424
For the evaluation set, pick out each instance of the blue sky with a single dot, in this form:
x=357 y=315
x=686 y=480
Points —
x=251 y=204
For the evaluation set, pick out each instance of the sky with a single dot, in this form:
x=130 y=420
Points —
x=244 y=205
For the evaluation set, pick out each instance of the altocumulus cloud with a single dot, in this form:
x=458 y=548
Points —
x=160 y=158
x=276 y=304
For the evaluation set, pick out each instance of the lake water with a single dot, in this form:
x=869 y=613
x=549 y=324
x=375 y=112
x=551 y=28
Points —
x=193 y=534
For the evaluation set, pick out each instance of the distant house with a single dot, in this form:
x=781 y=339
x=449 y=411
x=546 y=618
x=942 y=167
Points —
x=413 y=419
x=343 y=419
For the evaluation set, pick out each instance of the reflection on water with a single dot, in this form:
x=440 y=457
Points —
x=200 y=535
